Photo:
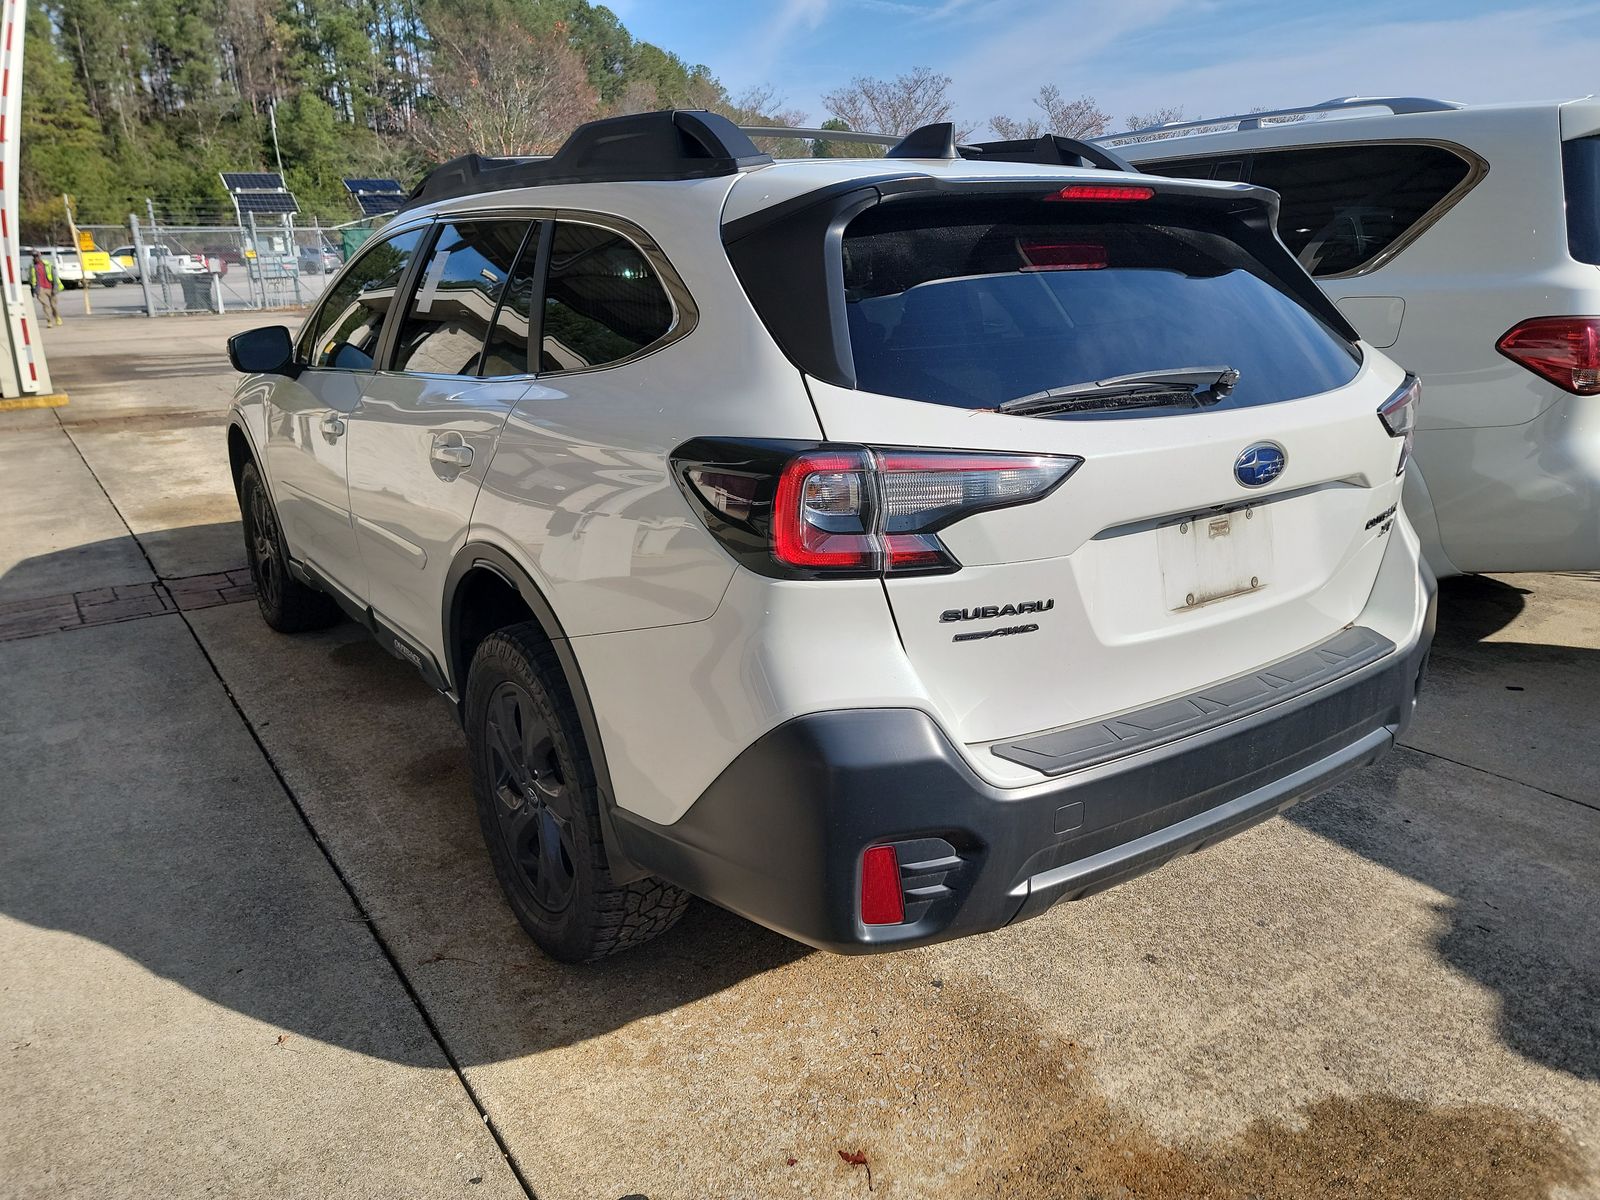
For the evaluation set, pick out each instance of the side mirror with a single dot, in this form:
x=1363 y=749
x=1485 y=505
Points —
x=265 y=351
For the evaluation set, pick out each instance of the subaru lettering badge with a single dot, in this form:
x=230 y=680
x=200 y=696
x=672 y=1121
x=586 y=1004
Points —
x=1260 y=464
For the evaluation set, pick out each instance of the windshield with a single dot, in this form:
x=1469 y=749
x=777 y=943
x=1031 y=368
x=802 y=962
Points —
x=972 y=305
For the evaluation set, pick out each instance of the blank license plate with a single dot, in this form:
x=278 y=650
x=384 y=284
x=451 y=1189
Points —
x=1210 y=558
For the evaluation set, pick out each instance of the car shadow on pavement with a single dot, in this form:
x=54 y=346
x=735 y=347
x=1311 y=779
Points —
x=1514 y=865
x=202 y=873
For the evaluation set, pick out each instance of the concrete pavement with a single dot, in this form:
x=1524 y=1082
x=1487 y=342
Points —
x=1390 y=993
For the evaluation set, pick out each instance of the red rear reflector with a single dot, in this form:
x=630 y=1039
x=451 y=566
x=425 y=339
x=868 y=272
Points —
x=882 y=902
x=1062 y=256
x=1102 y=191
x=1564 y=350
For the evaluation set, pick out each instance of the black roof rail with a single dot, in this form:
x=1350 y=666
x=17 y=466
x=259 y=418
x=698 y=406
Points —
x=671 y=144
x=939 y=141
x=1398 y=105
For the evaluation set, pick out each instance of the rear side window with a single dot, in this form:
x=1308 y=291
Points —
x=603 y=301
x=453 y=306
x=344 y=333
x=1580 y=167
x=1343 y=206
x=974 y=304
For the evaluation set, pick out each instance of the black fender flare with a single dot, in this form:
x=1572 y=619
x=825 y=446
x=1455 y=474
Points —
x=486 y=556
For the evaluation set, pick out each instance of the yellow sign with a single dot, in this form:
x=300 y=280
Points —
x=97 y=263
x=249 y=253
x=85 y=241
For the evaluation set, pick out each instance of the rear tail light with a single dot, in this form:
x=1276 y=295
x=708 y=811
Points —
x=1564 y=350
x=1103 y=191
x=1399 y=416
x=801 y=511
x=882 y=901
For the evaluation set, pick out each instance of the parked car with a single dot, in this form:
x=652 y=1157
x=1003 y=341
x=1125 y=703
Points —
x=1463 y=240
x=319 y=260
x=162 y=262
x=884 y=549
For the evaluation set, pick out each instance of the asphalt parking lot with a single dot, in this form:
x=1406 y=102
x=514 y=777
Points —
x=251 y=945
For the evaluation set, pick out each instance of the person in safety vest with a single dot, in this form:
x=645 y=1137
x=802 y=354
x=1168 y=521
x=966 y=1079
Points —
x=45 y=285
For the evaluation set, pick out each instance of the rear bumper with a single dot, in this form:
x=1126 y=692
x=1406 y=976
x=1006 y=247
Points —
x=778 y=837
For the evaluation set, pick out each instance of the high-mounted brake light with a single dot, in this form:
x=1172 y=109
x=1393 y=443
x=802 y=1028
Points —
x=882 y=901
x=1399 y=416
x=1564 y=350
x=852 y=511
x=1103 y=191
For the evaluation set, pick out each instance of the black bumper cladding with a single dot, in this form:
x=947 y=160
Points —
x=778 y=837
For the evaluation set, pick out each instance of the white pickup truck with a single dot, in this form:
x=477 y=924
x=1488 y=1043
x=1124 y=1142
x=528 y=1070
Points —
x=167 y=263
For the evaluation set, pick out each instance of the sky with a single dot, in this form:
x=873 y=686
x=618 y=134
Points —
x=1210 y=57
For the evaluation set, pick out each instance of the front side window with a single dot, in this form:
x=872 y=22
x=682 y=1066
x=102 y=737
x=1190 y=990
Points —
x=972 y=303
x=448 y=318
x=603 y=301
x=344 y=333
x=1343 y=206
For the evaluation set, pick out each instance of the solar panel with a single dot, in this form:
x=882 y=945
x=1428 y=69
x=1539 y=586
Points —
x=241 y=181
x=377 y=186
x=379 y=205
x=266 y=202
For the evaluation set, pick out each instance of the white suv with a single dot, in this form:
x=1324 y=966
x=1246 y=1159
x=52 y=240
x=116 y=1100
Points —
x=1465 y=241
x=882 y=549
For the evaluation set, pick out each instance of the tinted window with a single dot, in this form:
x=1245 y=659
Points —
x=1580 y=166
x=507 y=351
x=346 y=328
x=449 y=314
x=1342 y=205
x=602 y=302
x=948 y=307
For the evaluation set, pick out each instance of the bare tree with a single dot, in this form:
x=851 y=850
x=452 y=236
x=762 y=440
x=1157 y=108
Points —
x=899 y=105
x=500 y=89
x=1080 y=118
x=1161 y=116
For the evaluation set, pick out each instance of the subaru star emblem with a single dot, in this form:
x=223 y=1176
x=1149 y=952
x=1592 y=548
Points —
x=1260 y=464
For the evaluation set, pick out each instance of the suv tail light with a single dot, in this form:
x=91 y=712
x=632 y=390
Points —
x=1564 y=350
x=1399 y=416
x=799 y=510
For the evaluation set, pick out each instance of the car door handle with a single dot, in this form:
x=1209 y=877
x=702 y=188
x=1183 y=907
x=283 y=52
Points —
x=332 y=427
x=450 y=450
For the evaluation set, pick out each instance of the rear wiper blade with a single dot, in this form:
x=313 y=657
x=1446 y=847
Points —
x=1145 y=389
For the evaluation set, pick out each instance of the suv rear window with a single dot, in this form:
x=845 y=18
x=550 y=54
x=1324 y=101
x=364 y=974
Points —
x=1580 y=167
x=971 y=305
x=1343 y=206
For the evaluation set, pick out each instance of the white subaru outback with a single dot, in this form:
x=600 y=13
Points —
x=1465 y=241
x=883 y=549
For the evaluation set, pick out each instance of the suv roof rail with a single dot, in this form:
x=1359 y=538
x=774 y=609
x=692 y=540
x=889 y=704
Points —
x=939 y=141
x=1397 y=105
x=670 y=144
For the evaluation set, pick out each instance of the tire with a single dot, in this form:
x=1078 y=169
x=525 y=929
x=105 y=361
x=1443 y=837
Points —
x=538 y=806
x=286 y=604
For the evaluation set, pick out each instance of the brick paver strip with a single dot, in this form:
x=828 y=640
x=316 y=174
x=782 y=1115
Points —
x=127 y=602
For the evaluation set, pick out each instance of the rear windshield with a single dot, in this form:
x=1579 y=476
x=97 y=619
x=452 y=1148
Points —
x=1580 y=167
x=971 y=305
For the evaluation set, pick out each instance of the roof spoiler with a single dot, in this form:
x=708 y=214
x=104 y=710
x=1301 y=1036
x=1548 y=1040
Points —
x=671 y=144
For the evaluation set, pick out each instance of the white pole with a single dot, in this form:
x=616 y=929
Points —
x=23 y=372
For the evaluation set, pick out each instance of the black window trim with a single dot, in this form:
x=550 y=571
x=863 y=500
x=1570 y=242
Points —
x=685 y=313
x=403 y=288
x=1477 y=168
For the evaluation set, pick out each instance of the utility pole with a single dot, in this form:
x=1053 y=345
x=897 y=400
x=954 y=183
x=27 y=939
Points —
x=272 y=115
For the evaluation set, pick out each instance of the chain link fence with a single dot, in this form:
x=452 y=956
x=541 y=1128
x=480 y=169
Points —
x=160 y=269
